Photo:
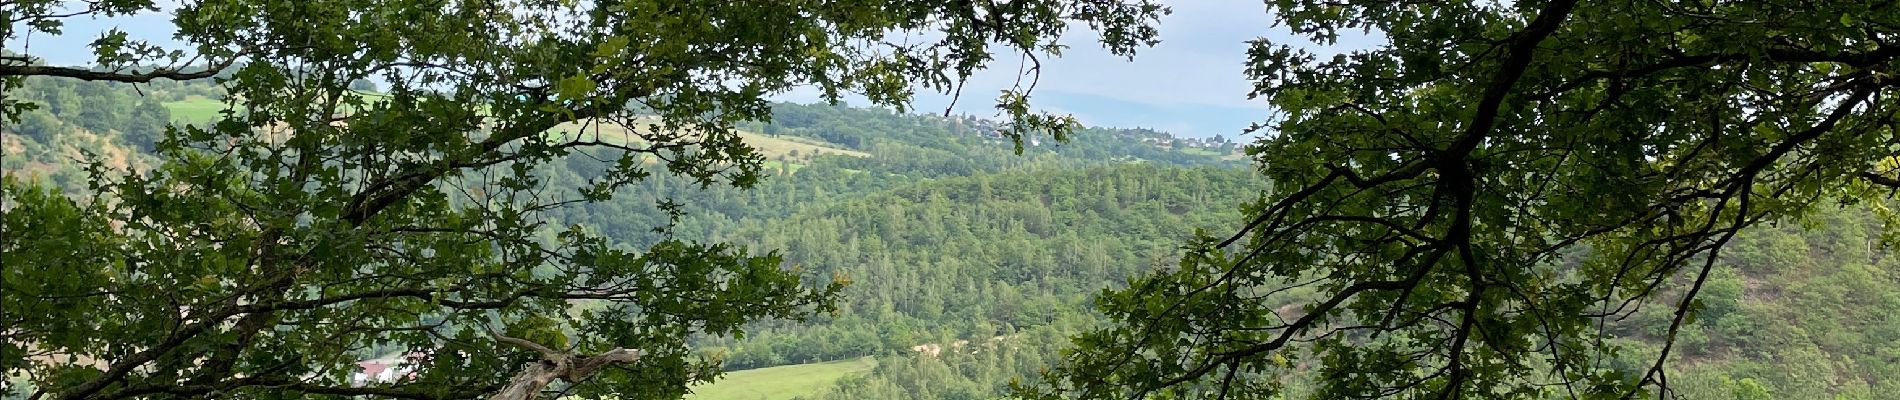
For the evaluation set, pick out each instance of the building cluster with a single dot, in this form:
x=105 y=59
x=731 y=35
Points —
x=989 y=130
x=386 y=370
x=964 y=124
x=1170 y=142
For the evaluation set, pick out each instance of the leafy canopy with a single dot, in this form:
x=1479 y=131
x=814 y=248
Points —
x=314 y=225
x=1480 y=195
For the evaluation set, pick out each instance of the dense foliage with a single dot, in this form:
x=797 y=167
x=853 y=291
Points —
x=1797 y=311
x=1542 y=199
x=312 y=221
x=1480 y=194
x=1014 y=217
x=980 y=257
x=1002 y=253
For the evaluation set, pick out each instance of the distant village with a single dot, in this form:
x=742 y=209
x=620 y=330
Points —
x=993 y=131
x=386 y=370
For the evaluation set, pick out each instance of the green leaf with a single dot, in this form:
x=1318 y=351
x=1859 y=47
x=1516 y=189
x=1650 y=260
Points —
x=574 y=87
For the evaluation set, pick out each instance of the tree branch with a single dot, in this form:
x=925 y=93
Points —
x=1882 y=180
x=528 y=384
x=545 y=352
x=176 y=74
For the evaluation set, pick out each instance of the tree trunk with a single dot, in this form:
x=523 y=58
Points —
x=554 y=364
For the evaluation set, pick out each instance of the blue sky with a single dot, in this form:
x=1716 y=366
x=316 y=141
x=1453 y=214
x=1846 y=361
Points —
x=1190 y=84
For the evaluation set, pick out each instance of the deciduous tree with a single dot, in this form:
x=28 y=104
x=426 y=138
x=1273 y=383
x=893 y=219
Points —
x=313 y=225
x=1482 y=193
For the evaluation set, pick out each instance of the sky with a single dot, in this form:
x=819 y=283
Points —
x=1189 y=85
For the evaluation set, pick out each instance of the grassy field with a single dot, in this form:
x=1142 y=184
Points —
x=774 y=146
x=781 y=383
x=200 y=109
x=796 y=150
x=1213 y=153
x=194 y=110
x=776 y=167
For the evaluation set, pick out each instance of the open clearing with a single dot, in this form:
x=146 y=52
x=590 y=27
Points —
x=202 y=110
x=781 y=382
x=795 y=149
x=784 y=154
x=194 y=110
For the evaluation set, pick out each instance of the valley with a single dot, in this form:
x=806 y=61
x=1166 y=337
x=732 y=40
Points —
x=947 y=236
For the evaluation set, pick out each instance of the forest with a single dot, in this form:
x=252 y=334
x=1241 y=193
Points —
x=952 y=240
x=712 y=200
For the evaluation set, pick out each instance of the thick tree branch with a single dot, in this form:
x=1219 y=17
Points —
x=1457 y=180
x=1882 y=180
x=554 y=364
x=545 y=352
x=176 y=74
x=1776 y=54
x=382 y=194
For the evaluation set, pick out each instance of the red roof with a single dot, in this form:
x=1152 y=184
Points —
x=372 y=368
